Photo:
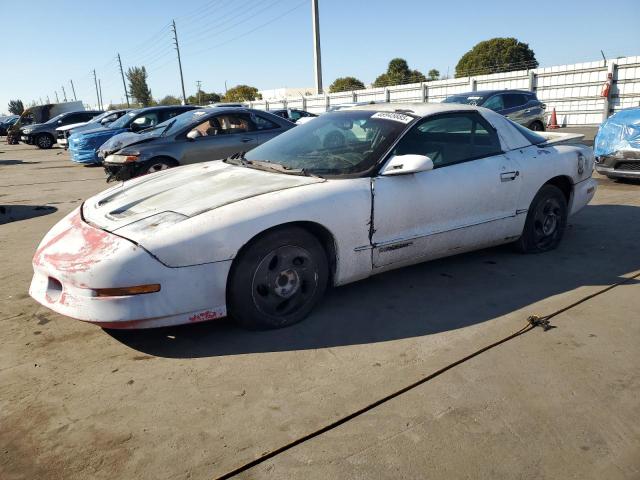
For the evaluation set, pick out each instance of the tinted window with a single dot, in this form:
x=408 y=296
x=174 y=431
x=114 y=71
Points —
x=513 y=100
x=281 y=113
x=294 y=115
x=262 y=123
x=450 y=139
x=146 y=120
x=233 y=123
x=494 y=103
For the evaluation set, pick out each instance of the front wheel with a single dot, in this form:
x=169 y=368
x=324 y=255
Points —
x=278 y=279
x=44 y=141
x=537 y=126
x=156 y=165
x=546 y=221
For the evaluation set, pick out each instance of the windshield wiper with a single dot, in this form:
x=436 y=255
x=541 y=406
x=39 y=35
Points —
x=167 y=128
x=237 y=159
x=277 y=167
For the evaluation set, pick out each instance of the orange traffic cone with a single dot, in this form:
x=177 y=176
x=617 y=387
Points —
x=553 y=121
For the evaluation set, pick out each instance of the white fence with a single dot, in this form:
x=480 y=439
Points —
x=573 y=90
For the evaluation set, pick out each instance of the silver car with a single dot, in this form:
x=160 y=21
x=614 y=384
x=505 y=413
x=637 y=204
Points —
x=521 y=106
x=192 y=137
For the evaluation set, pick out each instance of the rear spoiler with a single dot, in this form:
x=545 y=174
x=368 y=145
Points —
x=554 y=138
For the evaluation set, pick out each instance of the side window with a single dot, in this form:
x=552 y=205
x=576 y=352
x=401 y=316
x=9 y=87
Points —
x=167 y=114
x=451 y=138
x=294 y=115
x=145 y=121
x=262 y=123
x=494 y=103
x=208 y=128
x=513 y=100
x=233 y=123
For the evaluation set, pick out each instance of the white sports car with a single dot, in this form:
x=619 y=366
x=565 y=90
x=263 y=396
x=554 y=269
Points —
x=353 y=193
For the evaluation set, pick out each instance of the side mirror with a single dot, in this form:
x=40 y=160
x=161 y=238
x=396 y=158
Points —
x=406 y=164
x=105 y=121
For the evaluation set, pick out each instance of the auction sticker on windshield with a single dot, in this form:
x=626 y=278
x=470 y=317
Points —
x=398 y=117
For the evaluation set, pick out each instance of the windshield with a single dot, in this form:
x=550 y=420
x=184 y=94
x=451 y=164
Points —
x=97 y=118
x=56 y=118
x=178 y=123
x=465 y=99
x=123 y=121
x=338 y=143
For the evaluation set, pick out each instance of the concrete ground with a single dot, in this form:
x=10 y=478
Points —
x=198 y=401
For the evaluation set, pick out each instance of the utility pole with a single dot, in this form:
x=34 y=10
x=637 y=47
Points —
x=95 y=80
x=73 y=89
x=199 y=85
x=57 y=100
x=48 y=99
x=123 y=82
x=317 y=63
x=175 y=40
x=100 y=90
x=64 y=94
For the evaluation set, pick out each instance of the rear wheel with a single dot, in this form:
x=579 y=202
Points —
x=44 y=141
x=546 y=221
x=278 y=279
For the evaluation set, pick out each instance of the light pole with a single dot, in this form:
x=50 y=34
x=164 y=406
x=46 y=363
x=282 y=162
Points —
x=317 y=62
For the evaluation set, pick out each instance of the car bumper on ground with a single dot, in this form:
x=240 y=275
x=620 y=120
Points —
x=26 y=139
x=76 y=262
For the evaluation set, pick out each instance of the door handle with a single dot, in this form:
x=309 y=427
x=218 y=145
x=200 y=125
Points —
x=528 y=110
x=508 y=176
x=245 y=140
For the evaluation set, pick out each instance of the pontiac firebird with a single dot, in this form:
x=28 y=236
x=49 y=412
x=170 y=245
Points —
x=260 y=236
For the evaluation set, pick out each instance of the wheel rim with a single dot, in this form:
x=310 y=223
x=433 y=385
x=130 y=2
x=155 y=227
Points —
x=547 y=220
x=285 y=281
x=44 y=142
x=157 y=167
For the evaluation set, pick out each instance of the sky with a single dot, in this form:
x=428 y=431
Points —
x=268 y=43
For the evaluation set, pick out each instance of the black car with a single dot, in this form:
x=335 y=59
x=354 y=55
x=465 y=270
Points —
x=521 y=106
x=44 y=135
x=292 y=114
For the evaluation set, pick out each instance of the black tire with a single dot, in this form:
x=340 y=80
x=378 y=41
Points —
x=44 y=141
x=277 y=279
x=537 y=126
x=156 y=164
x=546 y=221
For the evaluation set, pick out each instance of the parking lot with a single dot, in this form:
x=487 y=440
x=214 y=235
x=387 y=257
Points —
x=199 y=401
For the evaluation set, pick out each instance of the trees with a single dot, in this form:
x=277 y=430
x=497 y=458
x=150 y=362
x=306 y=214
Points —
x=433 y=74
x=345 y=84
x=138 y=87
x=242 y=93
x=169 y=100
x=496 y=55
x=399 y=73
x=203 y=98
x=15 y=107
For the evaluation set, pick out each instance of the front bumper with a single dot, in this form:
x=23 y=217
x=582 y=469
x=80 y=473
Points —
x=28 y=139
x=622 y=164
x=76 y=258
x=121 y=171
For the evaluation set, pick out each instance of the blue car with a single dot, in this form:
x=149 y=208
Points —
x=83 y=145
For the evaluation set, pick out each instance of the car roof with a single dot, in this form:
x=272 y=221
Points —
x=419 y=109
x=166 y=107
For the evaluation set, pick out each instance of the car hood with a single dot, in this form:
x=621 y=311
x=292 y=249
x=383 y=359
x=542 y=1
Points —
x=32 y=127
x=188 y=191
x=125 y=139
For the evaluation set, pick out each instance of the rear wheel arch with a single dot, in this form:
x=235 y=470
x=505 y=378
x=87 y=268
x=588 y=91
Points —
x=565 y=185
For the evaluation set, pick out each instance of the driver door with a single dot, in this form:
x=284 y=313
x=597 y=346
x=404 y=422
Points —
x=219 y=137
x=467 y=201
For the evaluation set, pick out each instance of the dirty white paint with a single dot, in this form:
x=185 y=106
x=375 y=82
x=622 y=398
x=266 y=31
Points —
x=196 y=219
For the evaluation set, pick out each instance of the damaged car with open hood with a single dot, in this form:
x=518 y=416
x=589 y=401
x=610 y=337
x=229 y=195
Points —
x=192 y=137
x=353 y=193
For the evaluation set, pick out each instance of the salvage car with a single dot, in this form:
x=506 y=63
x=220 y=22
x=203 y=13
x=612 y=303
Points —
x=6 y=122
x=617 y=145
x=521 y=106
x=83 y=146
x=260 y=236
x=104 y=119
x=195 y=136
x=44 y=134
